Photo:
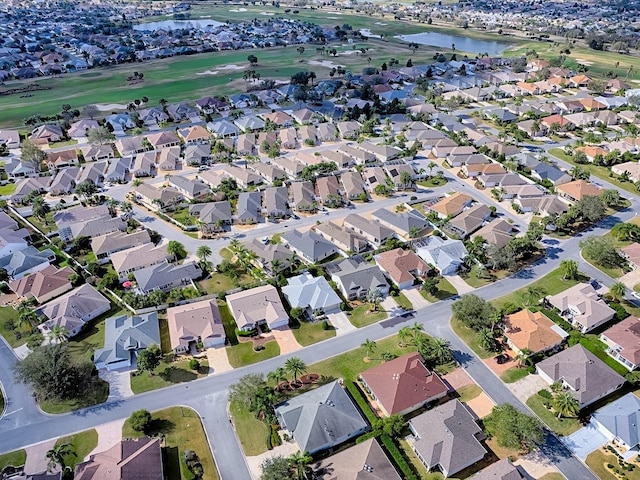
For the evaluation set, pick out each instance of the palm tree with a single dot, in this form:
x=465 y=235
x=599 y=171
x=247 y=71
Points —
x=487 y=339
x=112 y=204
x=533 y=293
x=441 y=350
x=234 y=244
x=299 y=461
x=56 y=456
x=276 y=375
x=276 y=265
x=126 y=207
x=176 y=250
x=203 y=253
x=369 y=346
x=374 y=297
x=40 y=208
x=405 y=335
x=566 y=404
x=59 y=334
x=431 y=166
x=523 y=357
x=295 y=366
x=569 y=269
x=618 y=290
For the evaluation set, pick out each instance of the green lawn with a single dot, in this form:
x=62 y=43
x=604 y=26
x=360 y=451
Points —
x=562 y=426
x=9 y=315
x=251 y=432
x=165 y=336
x=81 y=444
x=167 y=374
x=312 y=332
x=228 y=322
x=95 y=394
x=15 y=458
x=433 y=182
x=552 y=476
x=219 y=282
x=362 y=316
x=243 y=354
x=45 y=227
x=403 y=301
x=417 y=465
x=513 y=374
x=226 y=254
x=182 y=430
x=445 y=290
x=593 y=343
x=7 y=189
x=468 y=392
x=599 y=460
x=470 y=337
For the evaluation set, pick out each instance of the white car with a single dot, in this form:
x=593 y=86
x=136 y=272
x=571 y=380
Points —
x=635 y=295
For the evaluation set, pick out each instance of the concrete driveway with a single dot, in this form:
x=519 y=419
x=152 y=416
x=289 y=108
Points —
x=631 y=279
x=218 y=360
x=109 y=434
x=119 y=384
x=286 y=449
x=585 y=441
x=415 y=297
x=459 y=284
x=37 y=457
x=529 y=385
x=341 y=323
x=286 y=340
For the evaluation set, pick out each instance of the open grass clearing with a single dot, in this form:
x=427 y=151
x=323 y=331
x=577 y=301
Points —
x=309 y=333
x=468 y=392
x=97 y=392
x=83 y=345
x=14 y=336
x=182 y=431
x=251 y=432
x=561 y=426
x=81 y=445
x=7 y=189
x=243 y=354
x=445 y=290
x=220 y=282
x=167 y=374
x=362 y=316
x=513 y=374
x=45 y=226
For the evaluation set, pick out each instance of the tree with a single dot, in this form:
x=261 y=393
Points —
x=534 y=293
x=611 y=198
x=247 y=390
x=253 y=60
x=277 y=375
x=524 y=357
x=430 y=285
x=369 y=346
x=473 y=311
x=100 y=135
x=203 y=253
x=140 y=420
x=569 y=269
x=276 y=468
x=59 y=334
x=514 y=429
x=56 y=456
x=392 y=425
x=487 y=339
x=86 y=189
x=590 y=209
x=618 y=290
x=32 y=155
x=149 y=358
x=40 y=208
x=374 y=297
x=176 y=250
x=300 y=461
x=566 y=404
x=602 y=251
x=295 y=366
x=435 y=350
x=626 y=231
x=52 y=373
x=90 y=111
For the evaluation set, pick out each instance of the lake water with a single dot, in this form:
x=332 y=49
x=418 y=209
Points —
x=177 y=24
x=462 y=44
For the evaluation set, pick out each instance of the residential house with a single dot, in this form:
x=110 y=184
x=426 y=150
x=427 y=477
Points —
x=356 y=278
x=474 y=170
x=43 y=285
x=46 y=134
x=270 y=253
x=129 y=146
x=451 y=205
x=375 y=232
x=357 y=155
x=243 y=176
x=144 y=164
x=10 y=139
x=256 y=307
x=321 y=418
x=153 y=117
x=619 y=422
x=543 y=205
x=632 y=254
x=194 y=135
x=403 y=267
x=168 y=158
x=92 y=172
x=166 y=276
x=577 y=190
x=246 y=144
x=581 y=373
x=128 y=459
x=403 y=385
x=407 y=225
x=352 y=185
x=345 y=239
x=61 y=159
x=469 y=221
x=223 y=129
x=118 y=170
x=383 y=153
x=308 y=135
x=498 y=233
x=328 y=191
x=582 y=307
x=311 y=294
x=179 y=112
x=80 y=129
x=447 y=438
x=532 y=332
x=501 y=180
x=309 y=245
x=275 y=201
x=544 y=171
x=158 y=199
x=193 y=324
x=15 y=168
x=374 y=176
x=124 y=338
x=249 y=123
x=363 y=461
x=120 y=122
x=136 y=258
x=623 y=340
x=26 y=261
x=501 y=470
x=64 y=181
x=269 y=172
x=444 y=255
x=249 y=208
x=280 y=118
x=191 y=189
x=11 y=240
x=197 y=154
x=215 y=216
x=66 y=219
x=397 y=171
x=349 y=130
x=632 y=169
x=105 y=245
x=73 y=309
x=303 y=198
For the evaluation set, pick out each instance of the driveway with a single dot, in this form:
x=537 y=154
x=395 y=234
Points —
x=415 y=297
x=218 y=360
x=390 y=306
x=286 y=449
x=341 y=323
x=631 y=279
x=109 y=434
x=481 y=405
x=119 y=384
x=529 y=385
x=286 y=340
x=585 y=441
x=459 y=284
x=536 y=464
x=36 y=457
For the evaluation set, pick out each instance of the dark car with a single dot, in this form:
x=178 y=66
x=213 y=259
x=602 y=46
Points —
x=502 y=358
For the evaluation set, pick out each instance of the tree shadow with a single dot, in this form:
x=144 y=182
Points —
x=171 y=461
x=160 y=426
x=177 y=375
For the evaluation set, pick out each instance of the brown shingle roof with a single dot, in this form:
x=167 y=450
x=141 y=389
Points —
x=533 y=331
x=400 y=263
x=627 y=335
x=579 y=189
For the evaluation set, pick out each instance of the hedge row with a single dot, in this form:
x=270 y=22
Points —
x=361 y=400
x=398 y=457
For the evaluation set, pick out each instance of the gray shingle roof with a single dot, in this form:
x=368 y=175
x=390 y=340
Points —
x=622 y=418
x=125 y=335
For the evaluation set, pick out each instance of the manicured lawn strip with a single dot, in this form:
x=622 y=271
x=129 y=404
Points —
x=251 y=432
x=47 y=227
x=83 y=345
x=7 y=189
x=182 y=430
x=598 y=462
x=7 y=314
x=513 y=374
x=81 y=444
x=417 y=465
x=552 y=476
x=433 y=182
x=468 y=392
x=312 y=332
x=403 y=301
x=445 y=290
x=563 y=426
x=361 y=316
x=228 y=322
x=95 y=394
x=470 y=337
x=243 y=354
x=165 y=336
x=168 y=374
x=15 y=458
x=593 y=343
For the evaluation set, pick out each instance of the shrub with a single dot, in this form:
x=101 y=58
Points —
x=509 y=308
x=244 y=333
x=140 y=420
x=544 y=393
x=194 y=364
x=398 y=458
x=275 y=438
x=325 y=325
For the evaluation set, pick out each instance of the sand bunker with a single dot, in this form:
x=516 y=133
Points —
x=584 y=62
x=208 y=72
x=324 y=63
x=105 y=107
x=379 y=23
x=335 y=13
x=231 y=67
x=269 y=14
x=367 y=33
x=236 y=10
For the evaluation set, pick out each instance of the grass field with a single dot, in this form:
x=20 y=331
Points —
x=562 y=426
x=361 y=316
x=513 y=374
x=312 y=332
x=468 y=392
x=598 y=462
x=8 y=315
x=182 y=430
x=168 y=374
x=7 y=189
x=445 y=290
x=243 y=353
x=15 y=458
x=251 y=432
x=81 y=444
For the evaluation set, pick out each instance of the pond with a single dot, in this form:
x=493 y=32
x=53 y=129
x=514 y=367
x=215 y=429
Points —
x=463 y=44
x=177 y=24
